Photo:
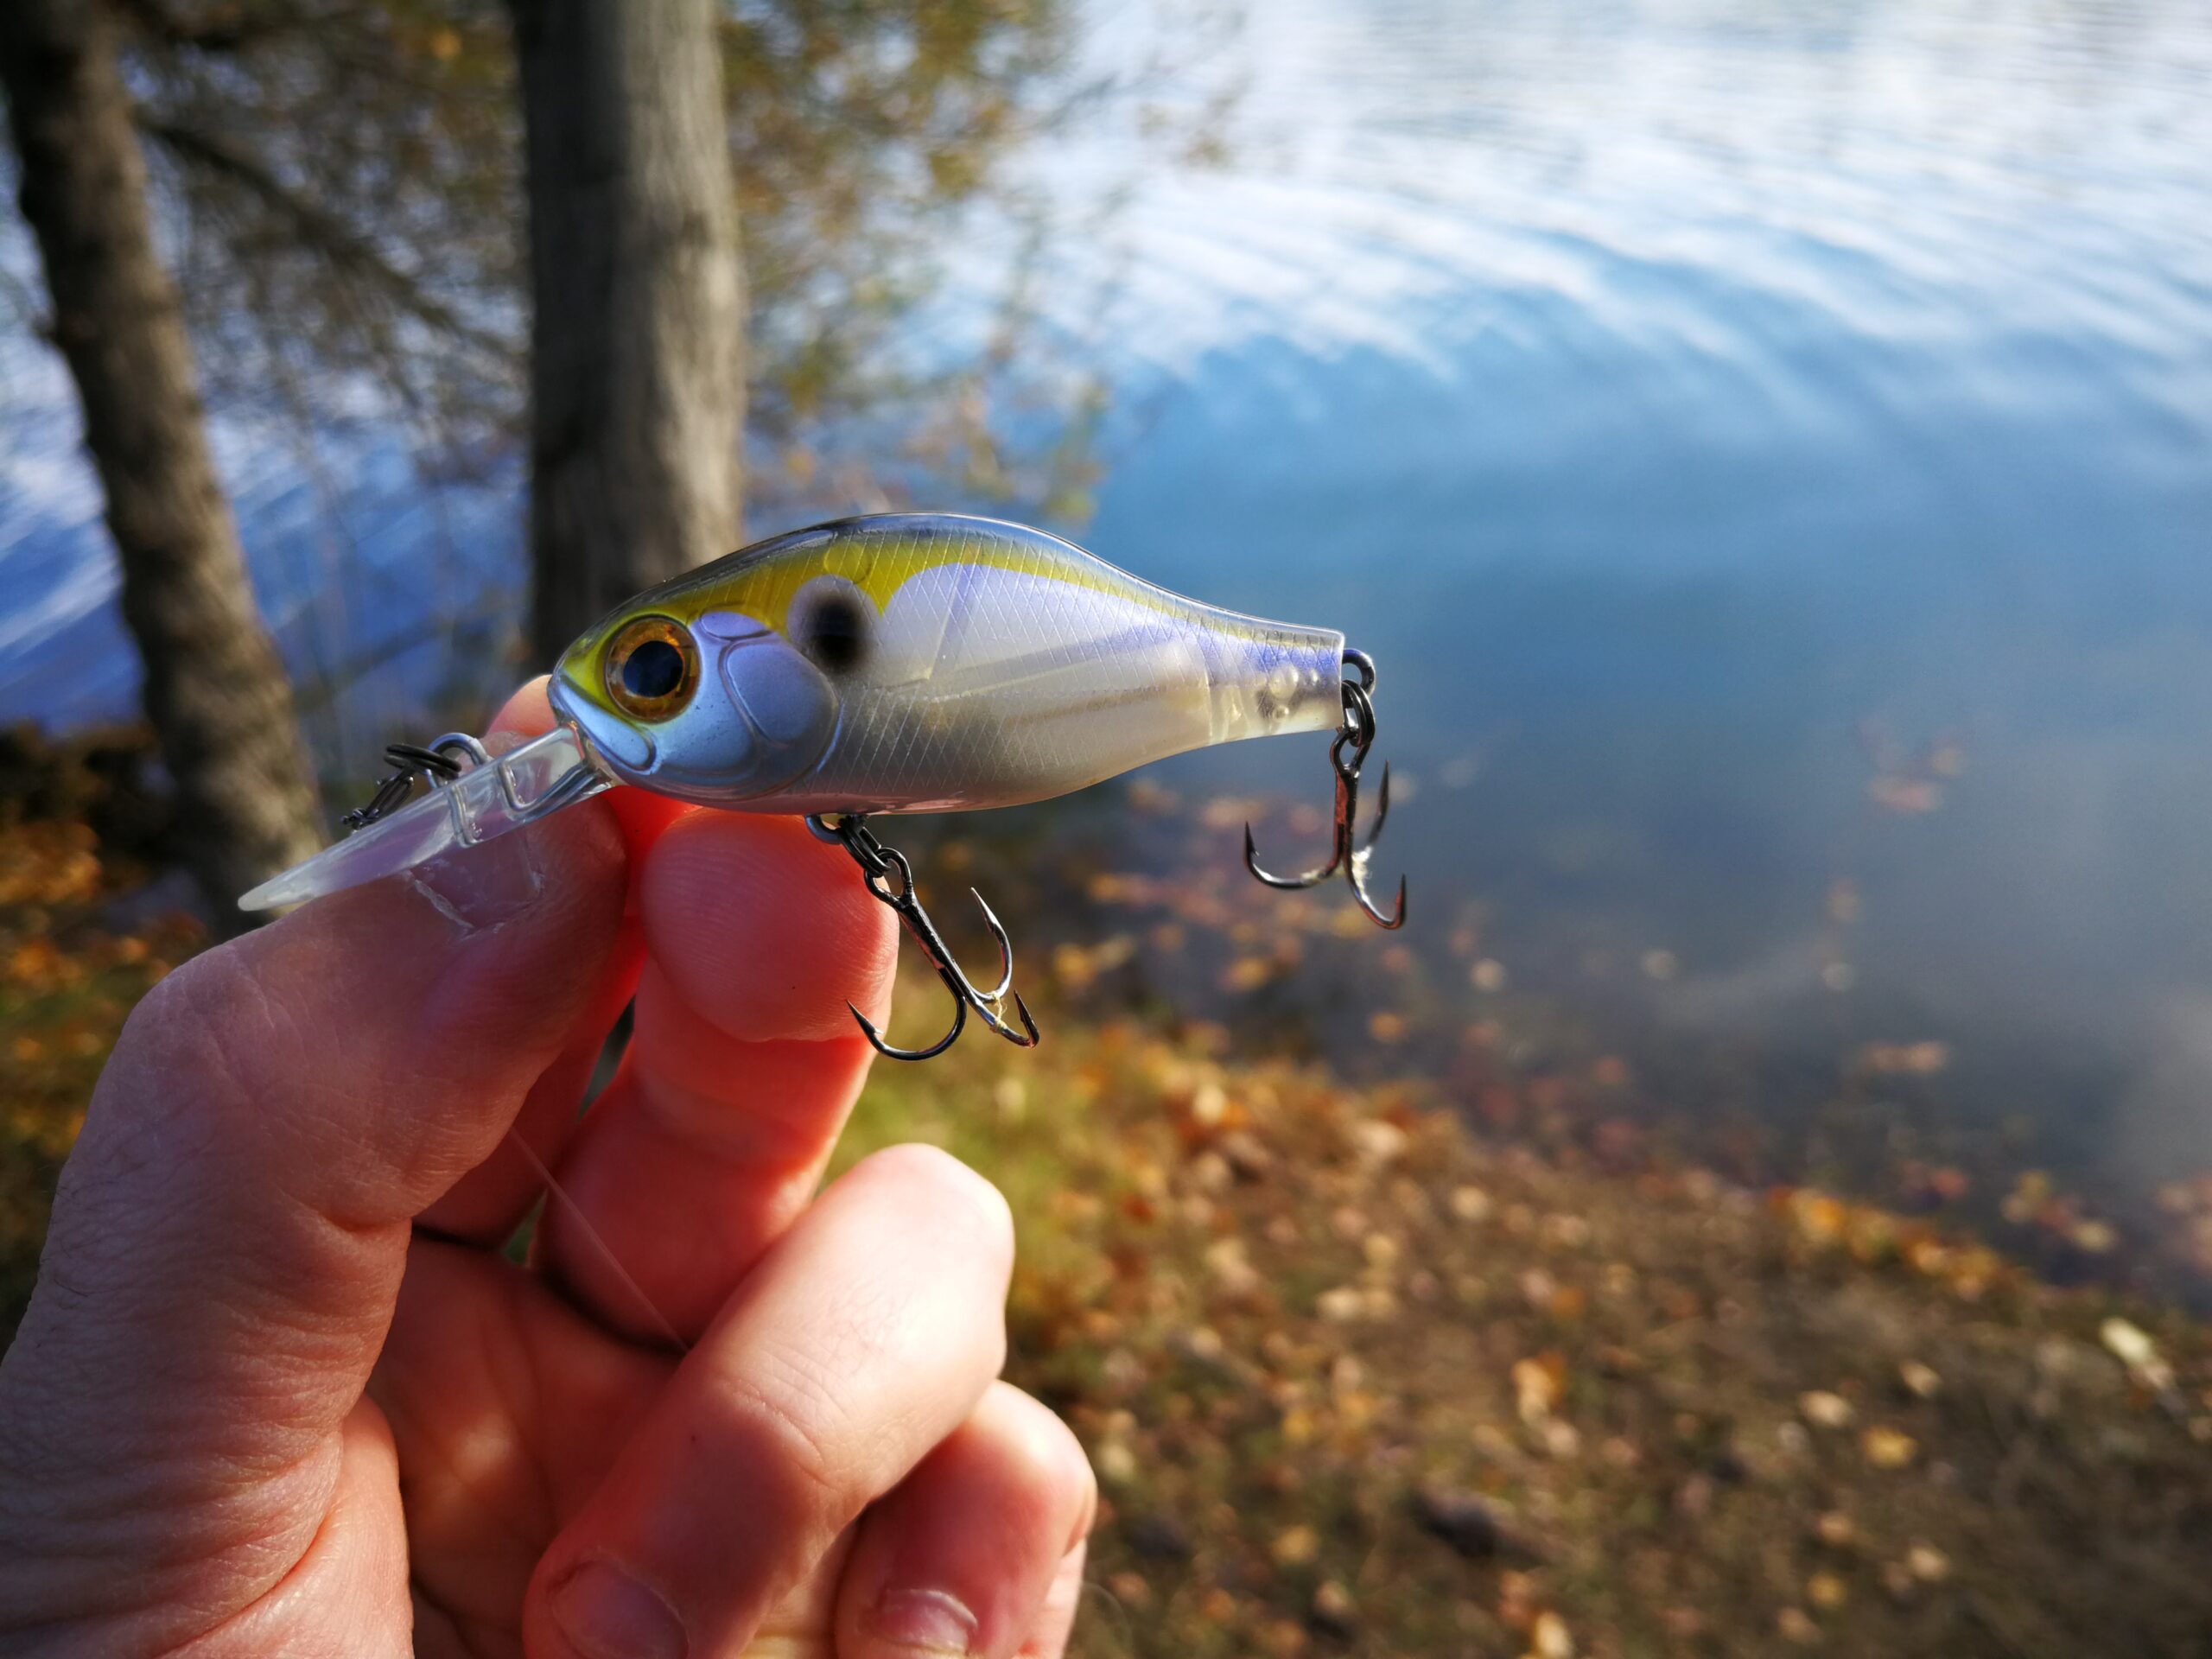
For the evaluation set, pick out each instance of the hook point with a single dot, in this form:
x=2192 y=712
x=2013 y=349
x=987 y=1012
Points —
x=1397 y=918
x=1028 y=1022
x=892 y=1052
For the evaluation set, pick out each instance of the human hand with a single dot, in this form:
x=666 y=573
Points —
x=278 y=1392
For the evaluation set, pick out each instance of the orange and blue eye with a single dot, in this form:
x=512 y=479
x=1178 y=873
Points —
x=653 y=667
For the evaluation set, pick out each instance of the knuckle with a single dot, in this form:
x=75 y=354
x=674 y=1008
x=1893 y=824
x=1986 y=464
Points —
x=197 y=1022
x=1081 y=1479
x=169 y=1015
x=950 y=1190
x=188 y=1102
x=1086 y=1492
x=1051 y=1462
x=790 y=1435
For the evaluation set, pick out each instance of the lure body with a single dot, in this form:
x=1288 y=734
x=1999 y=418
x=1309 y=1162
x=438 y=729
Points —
x=926 y=663
x=901 y=662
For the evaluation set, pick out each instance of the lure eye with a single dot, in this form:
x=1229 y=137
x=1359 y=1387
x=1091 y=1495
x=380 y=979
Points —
x=651 y=667
x=830 y=624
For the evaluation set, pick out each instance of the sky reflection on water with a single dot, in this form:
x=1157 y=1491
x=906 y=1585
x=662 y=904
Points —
x=1691 y=406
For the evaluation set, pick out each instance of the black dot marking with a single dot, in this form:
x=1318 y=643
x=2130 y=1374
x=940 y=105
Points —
x=653 y=670
x=836 y=632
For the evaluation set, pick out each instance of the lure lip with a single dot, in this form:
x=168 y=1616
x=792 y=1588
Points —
x=507 y=791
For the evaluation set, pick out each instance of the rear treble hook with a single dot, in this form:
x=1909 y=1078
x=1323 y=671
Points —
x=890 y=878
x=1346 y=755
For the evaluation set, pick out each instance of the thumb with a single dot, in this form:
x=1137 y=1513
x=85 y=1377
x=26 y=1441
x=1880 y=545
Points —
x=229 y=1232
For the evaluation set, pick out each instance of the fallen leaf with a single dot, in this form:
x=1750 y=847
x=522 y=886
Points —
x=1889 y=1448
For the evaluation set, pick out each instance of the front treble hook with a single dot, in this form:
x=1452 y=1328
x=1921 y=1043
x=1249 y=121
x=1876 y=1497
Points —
x=1346 y=755
x=890 y=878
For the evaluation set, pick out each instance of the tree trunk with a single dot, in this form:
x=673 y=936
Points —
x=215 y=688
x=637 y=385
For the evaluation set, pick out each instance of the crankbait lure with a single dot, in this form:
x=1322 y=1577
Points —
x=900 y=663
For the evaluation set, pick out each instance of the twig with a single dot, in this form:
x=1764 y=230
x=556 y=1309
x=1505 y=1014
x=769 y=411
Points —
x=324 y=231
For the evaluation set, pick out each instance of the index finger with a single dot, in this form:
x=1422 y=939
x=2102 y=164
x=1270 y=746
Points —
x=743 y=1066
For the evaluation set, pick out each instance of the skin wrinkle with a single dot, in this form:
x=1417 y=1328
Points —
x=222 y=1065
x=168 y=1577
x=111 y=1184
x=24 y=1443
x=805 y=1448
x=258 y=1370
x=294 y=1374
x=308 y=1244
x=157 y=1598
x=324 y=1510
x=106 y=1175
x=263 y=1297
x=238 y=1487
x=332 y=1515
x=219 y=997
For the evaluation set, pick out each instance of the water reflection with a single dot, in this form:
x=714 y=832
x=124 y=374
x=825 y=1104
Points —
x=1769 y=452
x=1769 y=456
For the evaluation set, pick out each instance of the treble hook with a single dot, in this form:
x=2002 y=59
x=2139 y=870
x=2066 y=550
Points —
x=881 y=865
x=1346 y=755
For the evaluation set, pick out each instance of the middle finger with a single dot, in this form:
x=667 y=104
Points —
x=741 y=1067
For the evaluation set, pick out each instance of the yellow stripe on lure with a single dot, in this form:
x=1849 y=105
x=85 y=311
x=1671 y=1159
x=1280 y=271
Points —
x=901 y=662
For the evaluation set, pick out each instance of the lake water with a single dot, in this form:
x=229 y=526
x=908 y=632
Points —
x=1768 y=450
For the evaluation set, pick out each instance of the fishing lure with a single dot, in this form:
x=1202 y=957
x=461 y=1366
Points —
x=897 y=662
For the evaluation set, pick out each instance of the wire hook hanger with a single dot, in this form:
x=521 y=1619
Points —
x=1346 y=756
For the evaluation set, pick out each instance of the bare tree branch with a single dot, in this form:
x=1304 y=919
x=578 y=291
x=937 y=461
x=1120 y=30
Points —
x=324 y=233
x=227 y=28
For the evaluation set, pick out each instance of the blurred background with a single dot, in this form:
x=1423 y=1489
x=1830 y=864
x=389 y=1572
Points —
x=1768 y=450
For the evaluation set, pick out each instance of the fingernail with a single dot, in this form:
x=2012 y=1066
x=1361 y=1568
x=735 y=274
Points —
x=606 y=1614
x=926 y=1621
x=481 y=886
